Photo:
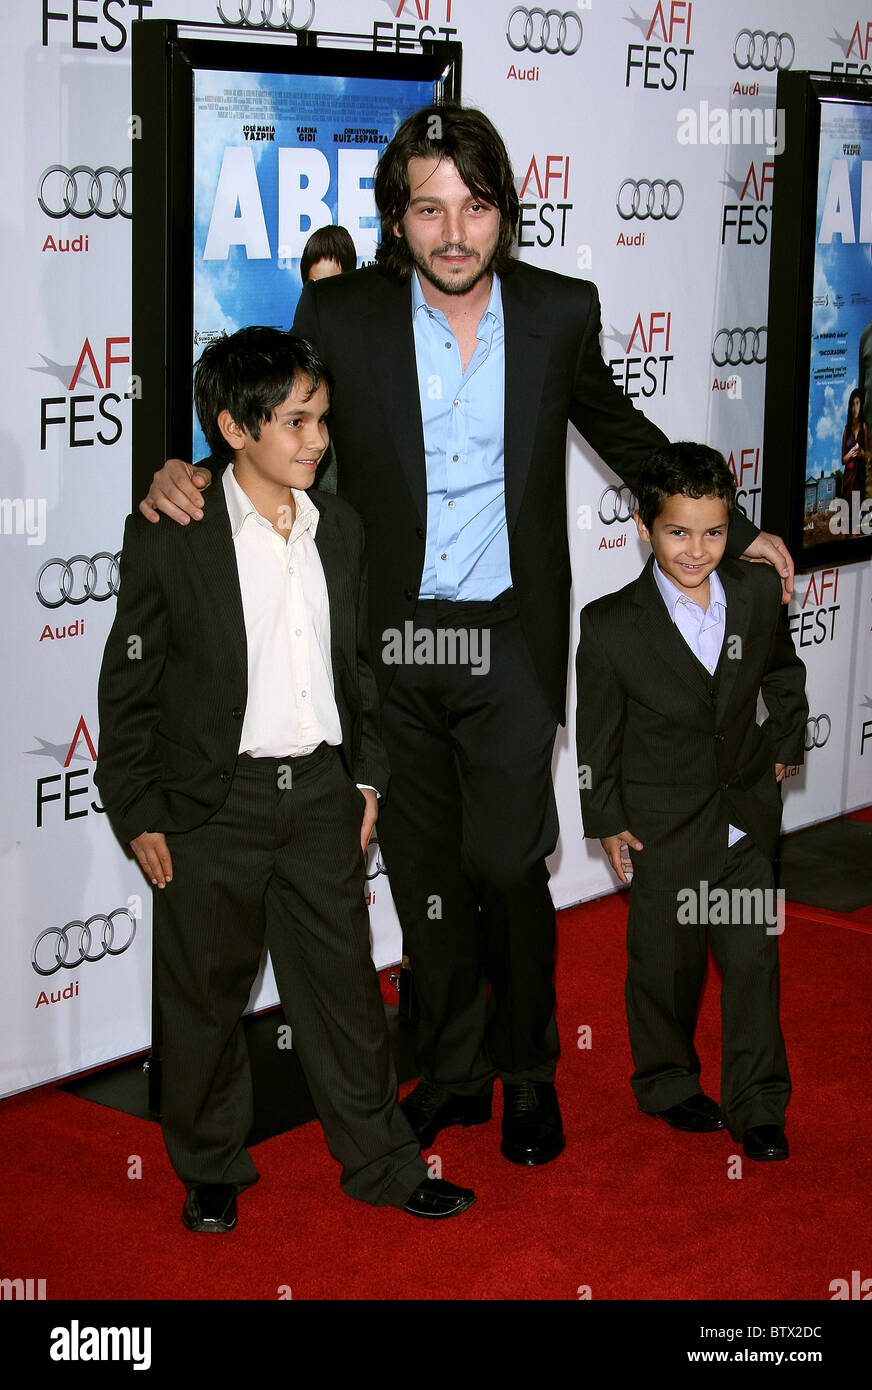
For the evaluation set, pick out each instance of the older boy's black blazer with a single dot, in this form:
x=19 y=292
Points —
x=362 y=325
x=174 y=681
x=668 y=761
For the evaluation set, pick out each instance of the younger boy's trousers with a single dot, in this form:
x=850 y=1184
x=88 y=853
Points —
x=282 y=864
x=666 y=966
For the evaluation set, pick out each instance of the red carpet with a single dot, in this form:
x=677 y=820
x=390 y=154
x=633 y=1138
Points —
x=632 y=1209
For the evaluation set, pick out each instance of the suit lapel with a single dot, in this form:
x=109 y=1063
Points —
x=737 y=629
x=660 y=632
x=526 y=352
x=334 y=562
x=392 y=342
x=212 y=550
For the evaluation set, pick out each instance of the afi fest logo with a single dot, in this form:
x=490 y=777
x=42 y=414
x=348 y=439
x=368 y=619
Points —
x=661 y=62
x=643 y=367
x=101 y=26
x=68 y=786
x=745 y=222
x=414 y=21
x=545 y=187
x=85 y=418
x=747 y=472
x=815 y=622
x=856 y=51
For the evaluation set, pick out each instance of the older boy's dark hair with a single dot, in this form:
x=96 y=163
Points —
x=475 y=147
x=328 y=244
x=693 y=470
x=249 y=373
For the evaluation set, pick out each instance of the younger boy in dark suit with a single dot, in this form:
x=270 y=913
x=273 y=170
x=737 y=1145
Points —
x=681 y=785
x=239 y=756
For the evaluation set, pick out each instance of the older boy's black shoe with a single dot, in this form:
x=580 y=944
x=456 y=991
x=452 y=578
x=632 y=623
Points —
x=430 y=1108
x=532 y=1127
x=210 y=1207
x=765 y=1142
x=698 y=1114
x=436 y=1198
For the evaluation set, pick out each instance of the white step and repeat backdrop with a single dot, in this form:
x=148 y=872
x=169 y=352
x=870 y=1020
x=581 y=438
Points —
x=599 y=103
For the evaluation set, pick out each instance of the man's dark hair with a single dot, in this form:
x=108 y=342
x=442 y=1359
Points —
x=328 y=244
x=685 y=468
x=249 y=373
x=475 y=147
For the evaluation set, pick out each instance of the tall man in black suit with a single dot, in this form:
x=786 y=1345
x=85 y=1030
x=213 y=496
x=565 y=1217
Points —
x=457 y=369
x=240 y=758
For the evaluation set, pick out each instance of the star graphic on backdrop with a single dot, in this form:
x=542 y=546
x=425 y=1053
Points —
x=638 y=21
x=63 y=374
x=58 y=751
x=618 y=337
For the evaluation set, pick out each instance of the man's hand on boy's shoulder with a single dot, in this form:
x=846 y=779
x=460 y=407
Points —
x=617 y=848
x=771 y=550
x=175 y=491
x=153 y=857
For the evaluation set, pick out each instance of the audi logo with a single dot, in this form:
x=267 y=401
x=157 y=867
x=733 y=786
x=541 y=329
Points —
x=616 y=504
x=757 y=50
x=85 y=192
x=737 y=347
x=83 y=937
x=654 y=198
x=544 y=31
x=285 y=9
x=60 y=581
x=817 y=731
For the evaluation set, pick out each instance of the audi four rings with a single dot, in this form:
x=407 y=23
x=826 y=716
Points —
x=817 y=731
x=654 y=198
x=85 y=192
x=758 y=50
x=616 y=504
x=544 y=31
x=58 y=582
x=285 y=9
x=739 y=347
x=82 y=931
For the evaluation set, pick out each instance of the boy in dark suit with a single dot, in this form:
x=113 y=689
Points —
x=239 y=756
x=680 y=783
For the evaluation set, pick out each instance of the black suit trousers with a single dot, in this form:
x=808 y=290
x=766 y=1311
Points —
x=280 y=865
x=468 y=823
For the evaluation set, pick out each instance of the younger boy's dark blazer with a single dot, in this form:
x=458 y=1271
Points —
x=675 y=755
x=174 y=682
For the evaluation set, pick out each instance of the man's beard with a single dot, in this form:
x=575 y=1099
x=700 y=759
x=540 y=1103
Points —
x=456 y=284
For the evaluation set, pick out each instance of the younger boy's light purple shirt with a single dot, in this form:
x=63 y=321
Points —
x=702 y=629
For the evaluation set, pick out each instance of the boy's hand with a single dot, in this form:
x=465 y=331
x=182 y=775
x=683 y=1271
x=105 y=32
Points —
x=617 y=848
x=773 y=550
x=780 y=769
x=175 y=491
x=153 y=857
x=370 y=815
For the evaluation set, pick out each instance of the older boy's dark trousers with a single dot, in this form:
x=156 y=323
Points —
x=284 y=866
x=666 y=967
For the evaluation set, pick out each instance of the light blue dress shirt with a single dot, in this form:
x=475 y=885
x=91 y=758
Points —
x=702 y=629
x=467 y=546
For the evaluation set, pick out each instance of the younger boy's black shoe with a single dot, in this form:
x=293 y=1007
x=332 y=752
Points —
x=430 y=1108
x=765 y=1143
x=699 y=1114
x=532 y=1127
x=436 y=1198
x=210 y=1207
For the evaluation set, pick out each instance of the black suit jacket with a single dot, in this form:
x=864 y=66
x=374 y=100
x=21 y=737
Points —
x=668 y=761
x=362 y=325
x=170 y=717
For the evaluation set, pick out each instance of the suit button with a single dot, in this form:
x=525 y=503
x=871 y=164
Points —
x=236 y=713
x=725 y=786
x=409 y=596
x=224 y=776
x=420 y=532
x=719 y=738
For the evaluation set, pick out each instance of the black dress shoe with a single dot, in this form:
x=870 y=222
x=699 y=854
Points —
x=698 y=1114
x=211 y=1207
x=436 y=1198
x=532 y=1127
x=765 y=1142
x=430 y=1108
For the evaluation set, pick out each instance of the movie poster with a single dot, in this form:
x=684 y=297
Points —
x=276 y=156
x=838 y=470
